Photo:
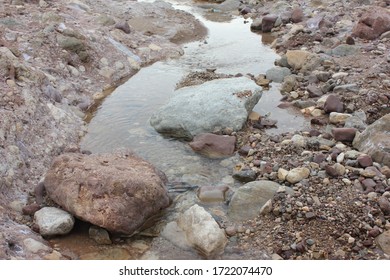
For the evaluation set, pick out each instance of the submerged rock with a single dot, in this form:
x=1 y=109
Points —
x=118 y=192
x=202 y=231
x=213 y=146
x=248 y=200
x=211 y=106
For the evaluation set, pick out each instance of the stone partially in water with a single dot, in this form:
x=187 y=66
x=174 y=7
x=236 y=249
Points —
x=277 y=74
x=213 y=146
x=202 y=231
x=213 y=105
x=248 y=200
x=212 y=193
x=118 y=192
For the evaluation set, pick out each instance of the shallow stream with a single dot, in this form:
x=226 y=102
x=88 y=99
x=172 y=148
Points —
x=122 y=121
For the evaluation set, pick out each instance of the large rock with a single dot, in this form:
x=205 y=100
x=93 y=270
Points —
x=211 y=106
x=372 y=24
x=118 y=192
x=213 y=146
x=53 y=221
x=375 y=140
x=202 y=231
x=277 y=74
x=383 y=241
x=250 y=198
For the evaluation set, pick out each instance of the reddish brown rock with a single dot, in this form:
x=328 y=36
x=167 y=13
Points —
x=268 y=22
x=118 y=192
x=333 y=104
x=212 y=193
x=213 y=146
x=384 y=204
x=297 y=15
x=124 y=26
x=368 y=184
x=30 y=209
x=365 y=161
x=372 y=24
x=344 y=134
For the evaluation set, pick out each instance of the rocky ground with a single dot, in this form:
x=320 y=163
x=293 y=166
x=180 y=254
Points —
x=340 y=206
x=330 y=192
x=58 y=59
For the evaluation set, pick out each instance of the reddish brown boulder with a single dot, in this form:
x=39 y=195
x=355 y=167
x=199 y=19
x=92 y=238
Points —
x=118 y=192
x=372 y=24
x=213 y=146
x=297 y=15
x=344 y=134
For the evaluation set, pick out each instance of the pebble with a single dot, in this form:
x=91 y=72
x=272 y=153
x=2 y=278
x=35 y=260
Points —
x=338 y=118
x=231 y=230
x=297 y=174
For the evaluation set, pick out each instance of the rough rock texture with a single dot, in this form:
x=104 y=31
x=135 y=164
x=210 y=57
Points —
x=53 y=221
x=372 y=24
x=277 y=73
x=202 y=231
x=250 y=198
x=211 y=106
x=118 y=192
x=375 y=140
x=213 y=146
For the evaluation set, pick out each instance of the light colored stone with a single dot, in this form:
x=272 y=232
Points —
x=338 y=118
x=35 y=246
x=299 y=140
x=221 y=103
x=53 y=221
x=297 y=174
x=202 y=231
x=383 y=241
x=282 y=174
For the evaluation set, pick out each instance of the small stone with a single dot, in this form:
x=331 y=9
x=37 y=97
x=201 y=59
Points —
x=267 y=208
x=369 y=172
x=231 y=231
x=310 y=242
x=340 y=158
x=276 y=257
x=268 y=22
x=30 y=209
x=297 y=15
x=368 y=183
x=365 y=161
x=282 y=174
x=245 y=176
x=297 y=174
x=124 y=26
x=298 y=140
x=385 y=170
x=333 y=104
x=383 y=242
x=339 y=168
x=53 y=221
x=212 y=193
x=35 y=246
x=310 y=215
x=344 y=134
x=99 y=235
x=331 y=171
x=374 y=232
x=350 y=40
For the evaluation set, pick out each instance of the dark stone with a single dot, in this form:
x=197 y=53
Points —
x=344 y=134
x=374 y=232
x=245 y=176
x=297 y=15
x=368 y=183
x=331 y=171
x=245 y=10
x=124 y=26
x=365 y=161
x=213 y=146
x=268 y=22
x=333 y=104
x=314 y=132
x=350 y=41
x=30 y=209
x=384 y=204
x=318 y=158
x=244 y=150
x=314 y=91
x=368 y=242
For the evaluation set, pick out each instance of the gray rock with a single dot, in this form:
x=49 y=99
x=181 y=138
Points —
x=245 y=176
x=344 y=50
x=347 y=87
x=202 y=231
x=314 y=91
x=375 y=140
x=217 y=104
x=357 y=120
x=35 y=246
x=248 y=200
x=277 y=74
x=53 y=221
x=383 y=241
x=290 y=83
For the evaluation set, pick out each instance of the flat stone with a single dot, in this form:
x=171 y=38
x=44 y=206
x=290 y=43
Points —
x=213 y=146
x=365 y=161
x=212 y=193
x=247 y=175
x=344 y=134
x=338 y=118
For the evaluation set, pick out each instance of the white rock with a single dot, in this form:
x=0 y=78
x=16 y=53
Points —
x=202 y=231
x=340 y=158
x=282 y=174
x=53 y=221
x=299 y=140
x=338 y=118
